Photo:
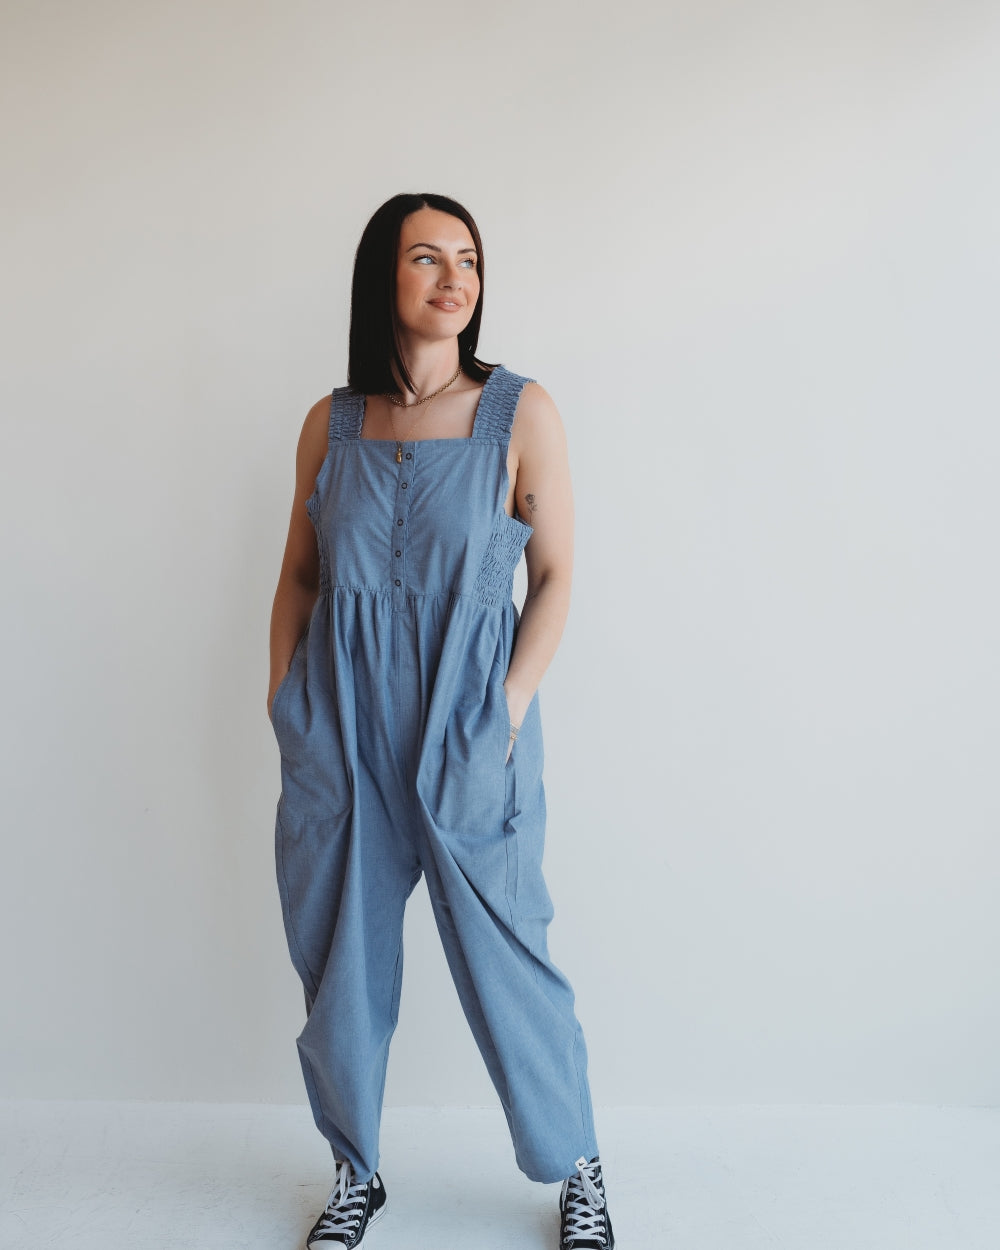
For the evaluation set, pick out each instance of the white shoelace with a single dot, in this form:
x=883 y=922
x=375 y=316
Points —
x=345 y=1206
x=583 y=1204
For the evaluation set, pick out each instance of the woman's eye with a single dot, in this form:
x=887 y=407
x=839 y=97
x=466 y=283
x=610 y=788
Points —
x=468 y=260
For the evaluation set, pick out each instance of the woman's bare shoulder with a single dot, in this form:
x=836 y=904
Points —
x=536 y=416
x=315 y=429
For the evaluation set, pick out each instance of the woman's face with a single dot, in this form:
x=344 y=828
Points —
x=437 y=275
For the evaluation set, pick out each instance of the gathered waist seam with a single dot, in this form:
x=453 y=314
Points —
x=386 y=593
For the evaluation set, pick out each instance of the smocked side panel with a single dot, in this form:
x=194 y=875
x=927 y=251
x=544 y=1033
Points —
x=314 y=510
x=494 y=582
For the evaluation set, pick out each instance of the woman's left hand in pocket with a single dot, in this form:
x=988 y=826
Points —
x=516 y=708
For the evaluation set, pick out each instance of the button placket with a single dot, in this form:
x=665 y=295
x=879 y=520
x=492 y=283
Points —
x=404 y=478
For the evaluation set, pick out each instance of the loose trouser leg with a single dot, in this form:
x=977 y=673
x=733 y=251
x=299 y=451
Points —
x=492 y=910
x=348 y=922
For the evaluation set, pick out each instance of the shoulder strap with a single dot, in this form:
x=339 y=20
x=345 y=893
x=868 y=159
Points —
x=346 y=410
x=498 y=402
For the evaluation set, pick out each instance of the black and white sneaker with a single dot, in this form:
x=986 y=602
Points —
x=349 y=1211
x=583 y=1207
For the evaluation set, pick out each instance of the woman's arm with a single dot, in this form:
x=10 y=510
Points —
x=544 y=497
x=298 y=582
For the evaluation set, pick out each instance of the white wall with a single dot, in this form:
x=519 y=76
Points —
x=752 y=251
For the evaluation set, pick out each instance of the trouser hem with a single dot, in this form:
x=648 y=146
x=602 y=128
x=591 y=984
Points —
x=548 y=1176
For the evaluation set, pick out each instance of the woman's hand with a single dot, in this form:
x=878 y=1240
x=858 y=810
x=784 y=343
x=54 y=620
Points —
x=275 y=684
x=517 y=706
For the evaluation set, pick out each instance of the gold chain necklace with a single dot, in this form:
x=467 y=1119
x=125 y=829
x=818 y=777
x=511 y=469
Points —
x=416 y=404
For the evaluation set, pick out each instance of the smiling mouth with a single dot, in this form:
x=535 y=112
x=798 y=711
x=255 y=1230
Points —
x=448 y=304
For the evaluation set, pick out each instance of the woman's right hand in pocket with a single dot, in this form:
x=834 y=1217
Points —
x=270 y=701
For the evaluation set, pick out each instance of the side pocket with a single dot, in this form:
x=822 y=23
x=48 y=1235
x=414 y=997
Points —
x=462 y=777
x=503 y=722
x=283 y=685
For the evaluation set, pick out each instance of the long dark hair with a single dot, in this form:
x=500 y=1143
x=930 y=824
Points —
x=373 y=345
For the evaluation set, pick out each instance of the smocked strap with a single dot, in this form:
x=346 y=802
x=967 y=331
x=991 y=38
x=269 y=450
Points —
x=497 y=403
x=346 y=408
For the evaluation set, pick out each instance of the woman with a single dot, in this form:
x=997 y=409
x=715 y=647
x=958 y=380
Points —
x=403 y=700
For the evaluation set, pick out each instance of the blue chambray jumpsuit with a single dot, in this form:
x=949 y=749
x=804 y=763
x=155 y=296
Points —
x=393 y=726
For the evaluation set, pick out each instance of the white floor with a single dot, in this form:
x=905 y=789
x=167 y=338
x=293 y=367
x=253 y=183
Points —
x=153 y=1176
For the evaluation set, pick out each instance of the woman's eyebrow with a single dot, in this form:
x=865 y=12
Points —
x=434 y=247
